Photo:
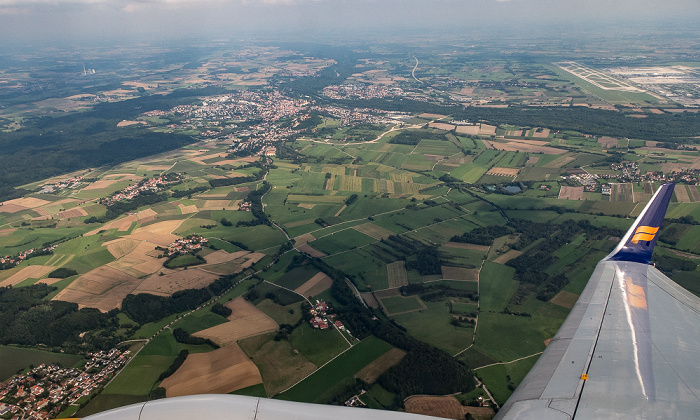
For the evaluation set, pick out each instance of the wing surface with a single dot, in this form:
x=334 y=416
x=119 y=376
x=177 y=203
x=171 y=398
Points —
x=630 y=348
x=238 y=407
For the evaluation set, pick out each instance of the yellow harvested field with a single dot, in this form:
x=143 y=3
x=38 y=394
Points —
x=218 y=372
x=7 y=207
x=175 y=281
x=484 y=248
x=306 y=248
x=49 y=281
x=125 y=223
x=565 y=299
x=7 y=232
x=374 y=370
x=459 y=273
x=507 y=256
x=487 y=130
x=444 y=406
x=75 y=212
x=250 y=259
x=682 y=194
x=471 y=130
x=608 y=142
x=503 y=171
x=315 y=285
x=29 y=202
x=441 y=126
x=126 y=123
x=245 y=321
x=98 y=185
x=120 y=247
x=571 y=193
x=308 y=206
x=304 y=239
x=139 y=261
x=558 y=162
x=29 y=272
x=543 y=133
x=121 y=225
x=157 y=233
x=103 y=288
x=431 y=116
x=187 y=209
x=397 y=275
x=374 y=231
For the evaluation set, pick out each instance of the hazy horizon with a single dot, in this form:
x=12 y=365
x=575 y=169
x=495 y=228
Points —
x=86 y=21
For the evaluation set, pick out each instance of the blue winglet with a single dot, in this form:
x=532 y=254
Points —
x=638 y=243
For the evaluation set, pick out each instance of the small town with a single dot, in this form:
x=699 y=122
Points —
x=46 y=390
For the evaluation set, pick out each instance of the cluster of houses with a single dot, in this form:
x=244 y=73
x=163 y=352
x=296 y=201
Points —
x=189 y=245
x=153 y=185
x=630 y=171
x=46 y=390
x=8 y=261
x=359 y=91
x=321 y=318
x=589 y=181
x=349 y=116
x=57 y=186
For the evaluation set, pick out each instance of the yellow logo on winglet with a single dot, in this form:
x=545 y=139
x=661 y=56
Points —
x=644 y=233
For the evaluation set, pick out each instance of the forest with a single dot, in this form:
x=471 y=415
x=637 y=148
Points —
x=27 y=319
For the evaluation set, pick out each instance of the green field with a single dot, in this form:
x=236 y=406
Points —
x=399 y=304
x=346 y=240
x=15 y=359
x=433 y=327
x=317 y=346
x=333 y=377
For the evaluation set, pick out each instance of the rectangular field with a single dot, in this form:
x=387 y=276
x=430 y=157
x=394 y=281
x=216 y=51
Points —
x=396 y=272
x=245 y=321
x=571 y=193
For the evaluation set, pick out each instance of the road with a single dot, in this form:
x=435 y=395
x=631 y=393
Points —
x=413 y=72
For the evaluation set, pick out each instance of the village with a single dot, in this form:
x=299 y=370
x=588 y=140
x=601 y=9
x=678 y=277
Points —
x=321 y=317
x=150 y=185
x=9 y=261
x=46 y=390
x=55 y=187
x=191 y=244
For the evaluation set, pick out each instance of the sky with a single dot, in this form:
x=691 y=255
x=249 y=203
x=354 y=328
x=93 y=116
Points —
x=55 y=20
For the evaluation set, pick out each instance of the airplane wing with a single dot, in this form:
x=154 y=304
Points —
x=630 y=348
x=238 y=407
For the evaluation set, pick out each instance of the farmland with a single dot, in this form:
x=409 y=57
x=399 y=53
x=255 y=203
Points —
x=424 y=211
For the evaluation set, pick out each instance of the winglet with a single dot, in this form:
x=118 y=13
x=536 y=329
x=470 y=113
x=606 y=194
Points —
x=638 y=243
